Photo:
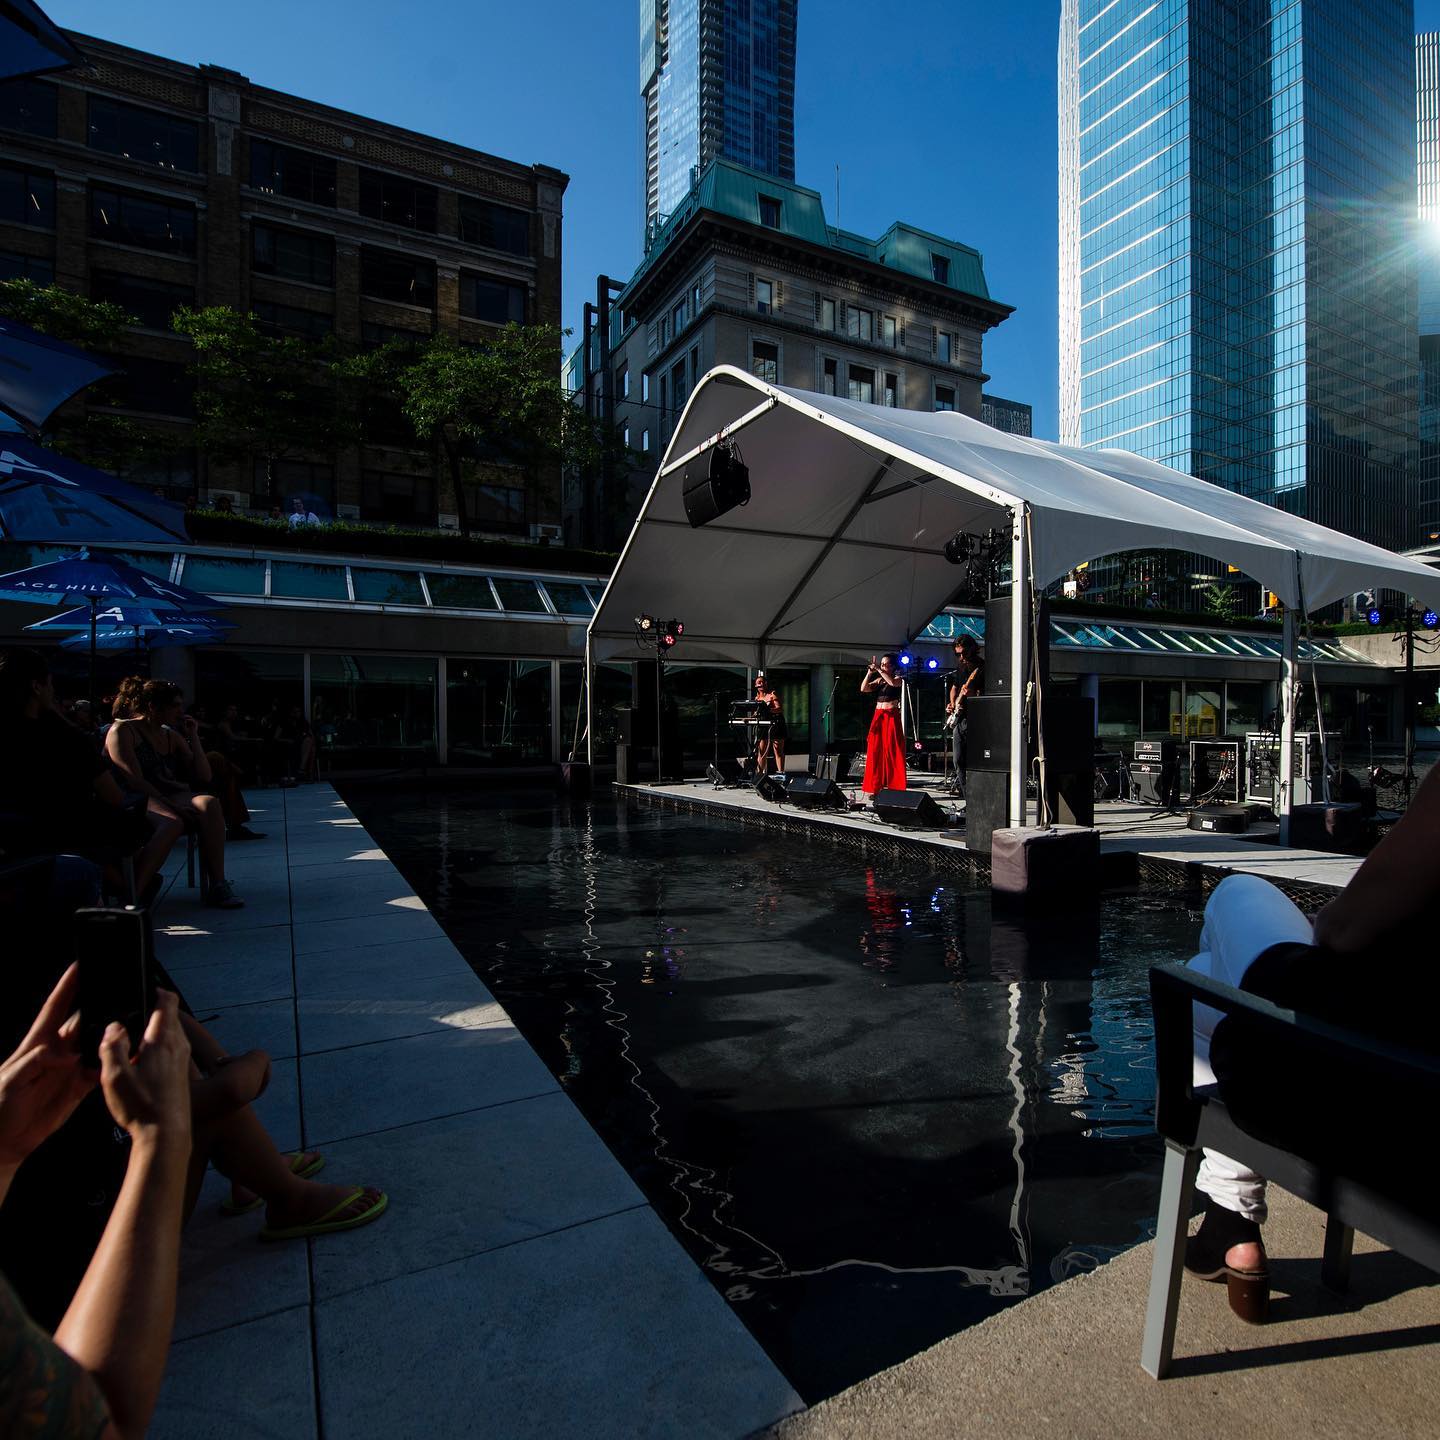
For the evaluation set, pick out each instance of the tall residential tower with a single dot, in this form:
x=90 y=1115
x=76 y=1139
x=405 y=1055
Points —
x=1237 y=286
x=717 y=79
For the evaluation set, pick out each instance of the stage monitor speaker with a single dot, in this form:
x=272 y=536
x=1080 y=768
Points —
x=987 y=807
x=915 y=809
x=814 y=792
x=997 y=645
x=726 y=771
x=715 y=483
x=833 y=765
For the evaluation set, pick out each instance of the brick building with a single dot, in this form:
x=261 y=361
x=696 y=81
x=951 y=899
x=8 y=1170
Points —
x=156 y=184
x=747 y=272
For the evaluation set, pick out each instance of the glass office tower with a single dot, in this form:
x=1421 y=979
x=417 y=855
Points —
x=718 y=79
x=1427 y=140
x=1237 y=279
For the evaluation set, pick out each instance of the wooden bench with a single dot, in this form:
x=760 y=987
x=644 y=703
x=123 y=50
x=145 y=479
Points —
x=1190 y=1117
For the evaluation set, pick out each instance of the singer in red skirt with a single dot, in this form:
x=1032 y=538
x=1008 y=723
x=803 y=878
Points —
x=885 y=752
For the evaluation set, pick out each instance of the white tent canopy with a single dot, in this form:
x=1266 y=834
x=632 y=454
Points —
x=839 y=552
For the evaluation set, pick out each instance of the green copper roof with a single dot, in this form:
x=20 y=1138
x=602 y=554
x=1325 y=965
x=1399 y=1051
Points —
x=728 y=188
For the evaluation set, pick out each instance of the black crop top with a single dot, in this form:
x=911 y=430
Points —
x=887 y=692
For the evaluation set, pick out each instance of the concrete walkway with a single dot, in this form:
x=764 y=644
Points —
x=519 y=1285
x=1067 y=1361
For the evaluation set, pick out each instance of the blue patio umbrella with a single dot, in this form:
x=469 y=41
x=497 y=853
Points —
x=137 y=637
x=49 y=497
x=38 y=373
x=117 y=616
x=31 y=43
x=101 y=580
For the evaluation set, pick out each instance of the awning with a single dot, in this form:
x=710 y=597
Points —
x=839 y=552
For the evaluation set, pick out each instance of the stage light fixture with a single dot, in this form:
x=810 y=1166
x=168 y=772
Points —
x=1374 y=616
x=1430 y=620
x=905 y=660
x=958 y=548
x=645 y=622
x=932 y=663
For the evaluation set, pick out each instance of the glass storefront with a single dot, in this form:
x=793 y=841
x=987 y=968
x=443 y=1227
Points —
x=614 y=686
x=372 y=711
x=497 y=711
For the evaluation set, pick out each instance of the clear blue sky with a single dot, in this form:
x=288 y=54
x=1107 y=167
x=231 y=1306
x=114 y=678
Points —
x=938 y=112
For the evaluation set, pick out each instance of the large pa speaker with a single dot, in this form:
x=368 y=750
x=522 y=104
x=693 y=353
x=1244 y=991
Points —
x=1072 y=796
x=813 y=792
x=987 y=807
x=719 y=482
x=987 y=734
x=915 y=809
x=997 y=645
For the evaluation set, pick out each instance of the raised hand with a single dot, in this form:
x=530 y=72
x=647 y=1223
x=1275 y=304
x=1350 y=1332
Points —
x=43 y=1081
x=149 y=1094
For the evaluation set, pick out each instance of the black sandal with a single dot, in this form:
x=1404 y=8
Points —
x=1247 y=1290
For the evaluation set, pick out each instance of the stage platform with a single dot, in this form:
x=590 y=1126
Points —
x=1137 y=843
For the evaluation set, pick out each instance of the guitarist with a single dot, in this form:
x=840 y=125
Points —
x=967 y=680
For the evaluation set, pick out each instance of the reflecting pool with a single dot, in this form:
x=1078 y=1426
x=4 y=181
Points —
x=870 y=1111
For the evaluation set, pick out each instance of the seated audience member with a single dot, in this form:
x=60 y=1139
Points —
x=99 y=1375
x=56 y=786
x=171 y=770
x=295 y=733
x=1381 y=924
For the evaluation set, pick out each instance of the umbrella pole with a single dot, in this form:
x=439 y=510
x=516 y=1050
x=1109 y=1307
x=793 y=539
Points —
x=94 y=608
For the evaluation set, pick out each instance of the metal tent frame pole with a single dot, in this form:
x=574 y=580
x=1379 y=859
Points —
x=1289 y=695
x=1019 y=660
x=589 y=702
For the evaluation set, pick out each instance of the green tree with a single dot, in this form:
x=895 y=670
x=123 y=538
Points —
x=262 y=397
x=92 y=432
x=489 y=408
x=1222 y=602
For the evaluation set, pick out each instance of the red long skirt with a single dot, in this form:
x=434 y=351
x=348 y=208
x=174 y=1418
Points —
x=885 y=753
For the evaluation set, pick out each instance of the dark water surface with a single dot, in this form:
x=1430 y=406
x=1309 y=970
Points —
x=870 y=1112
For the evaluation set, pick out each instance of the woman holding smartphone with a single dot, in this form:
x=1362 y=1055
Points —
x=885 y=749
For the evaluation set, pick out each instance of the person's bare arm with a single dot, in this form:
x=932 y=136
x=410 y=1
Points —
x=1398 y=880
x=120 y=747
x=119 y=1323
x=196 y=760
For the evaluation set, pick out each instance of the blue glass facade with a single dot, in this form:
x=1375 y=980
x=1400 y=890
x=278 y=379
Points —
x=718 y=80
x=1237 y=279
x=1427 y=141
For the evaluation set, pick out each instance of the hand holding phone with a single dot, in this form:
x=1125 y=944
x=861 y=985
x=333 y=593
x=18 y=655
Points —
x=113 y=948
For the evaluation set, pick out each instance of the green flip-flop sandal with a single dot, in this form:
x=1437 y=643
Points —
x=327 y=1225
x=297 y=1169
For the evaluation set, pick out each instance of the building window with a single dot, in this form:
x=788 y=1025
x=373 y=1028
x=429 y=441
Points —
x=664 y=396
x=295 y=174
x=397 y=201
x=27 y=197
x=502 y=507
x=678 y=388
x=940 y=268
x=861 y=384
x=645 y=440
x=384 y=275
x=861 y=323
x=694 y=364
x=891 y=394
x=695 y=300
x=888 y=330
x=764 y=296
x=497 y=227
x=677 y=318
x=944 y=397
x=155 y=387
x=765 y=361
x=644 y=387
x=373 y=335
x=828 y=378
x=153 y=303
x=292 y=255
x=622 y=382
x=664 y=332
x=312 y=482
x=626 y=433
x=28 y=106
x=497 y=302
x=26 y=267
x=172 y=472
x=397 y=499
x=827 y=314
x=143 y=221
x=770 y=212
x=944 y=346
x=292 y=320
x=138 y=134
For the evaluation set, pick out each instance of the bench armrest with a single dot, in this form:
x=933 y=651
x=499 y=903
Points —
x=1174 y=992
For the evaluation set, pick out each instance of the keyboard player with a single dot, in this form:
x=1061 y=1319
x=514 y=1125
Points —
x=773 y=736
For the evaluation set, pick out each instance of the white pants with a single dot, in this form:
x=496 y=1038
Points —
x=1244 y=918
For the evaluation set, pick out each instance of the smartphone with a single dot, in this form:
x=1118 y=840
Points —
x=115 y=950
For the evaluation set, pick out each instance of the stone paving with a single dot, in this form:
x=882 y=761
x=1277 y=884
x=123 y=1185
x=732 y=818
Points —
x=519 y=1285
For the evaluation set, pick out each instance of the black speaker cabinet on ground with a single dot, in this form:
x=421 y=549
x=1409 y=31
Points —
x=833 y=765
x=987 y=736
x=726 y=771
x=997 y=646
x=987 y=807
x=1337 y=826
x=715 y=483
x=813 y=792
x=1221 y=819
x=1072 y=796
x=915 y=809
x=1154 y=783
x=623 y=753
